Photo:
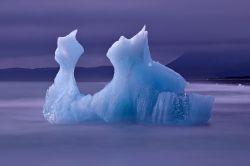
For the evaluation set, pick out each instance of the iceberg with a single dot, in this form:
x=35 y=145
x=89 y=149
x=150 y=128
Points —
x=141 y=90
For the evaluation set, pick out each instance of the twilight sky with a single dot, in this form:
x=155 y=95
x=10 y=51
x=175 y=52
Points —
x=29 y=28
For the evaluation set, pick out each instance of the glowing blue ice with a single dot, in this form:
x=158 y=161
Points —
x=141 y=90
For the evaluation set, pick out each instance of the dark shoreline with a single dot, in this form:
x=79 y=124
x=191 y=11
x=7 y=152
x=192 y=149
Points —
x=224 y=81
x=95 y=74
x=215 y=81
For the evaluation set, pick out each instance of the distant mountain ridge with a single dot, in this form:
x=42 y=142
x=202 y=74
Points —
x=193 y=66
x=204 y=65
x=102 y=73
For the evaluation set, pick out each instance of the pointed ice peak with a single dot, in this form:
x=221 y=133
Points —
x=142 y=35
x=73 y=33
x=68 y=38
x=142 y=31
x=143 y=28
x=68 y=50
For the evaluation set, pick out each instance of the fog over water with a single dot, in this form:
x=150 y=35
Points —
x=26 y=138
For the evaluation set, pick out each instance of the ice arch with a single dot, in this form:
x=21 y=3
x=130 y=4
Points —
x=141 y=90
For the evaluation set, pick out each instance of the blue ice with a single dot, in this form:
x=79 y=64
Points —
x=142 y=90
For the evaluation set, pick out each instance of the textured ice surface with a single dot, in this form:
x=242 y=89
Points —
x=141 y=90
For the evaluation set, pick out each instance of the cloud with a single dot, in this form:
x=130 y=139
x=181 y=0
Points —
x=29 y=28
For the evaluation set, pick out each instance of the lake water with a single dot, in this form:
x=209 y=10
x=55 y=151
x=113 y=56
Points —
x=27 y=139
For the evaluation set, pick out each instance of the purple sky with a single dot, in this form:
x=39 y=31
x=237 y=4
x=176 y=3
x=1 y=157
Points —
x=29 y=28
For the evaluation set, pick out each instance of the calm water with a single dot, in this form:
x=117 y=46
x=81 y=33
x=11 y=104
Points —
x=26 y=139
